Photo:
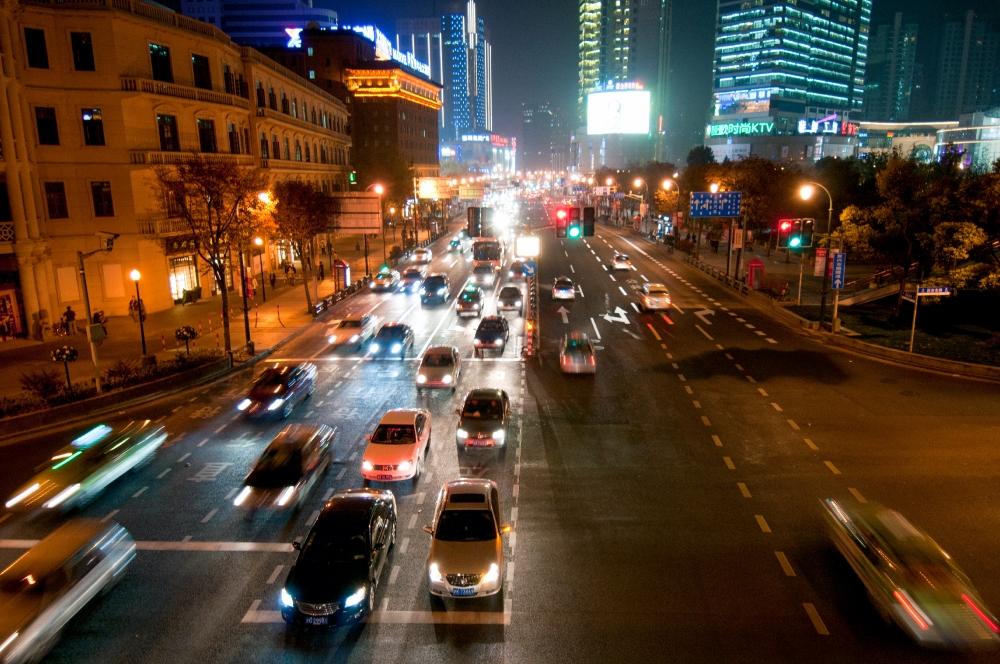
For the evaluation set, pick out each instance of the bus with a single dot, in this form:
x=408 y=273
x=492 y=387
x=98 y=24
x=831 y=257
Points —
x=487 y=250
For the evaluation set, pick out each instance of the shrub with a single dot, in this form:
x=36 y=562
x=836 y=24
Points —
x=687 y=246
x=776 y=288
x=43 y=384
x=395 y=253
x=121 y=373
x=23 y=403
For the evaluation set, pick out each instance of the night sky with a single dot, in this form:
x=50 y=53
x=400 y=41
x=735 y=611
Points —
x=535 y=49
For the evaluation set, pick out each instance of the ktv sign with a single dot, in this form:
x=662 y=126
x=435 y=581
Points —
x=741 y=129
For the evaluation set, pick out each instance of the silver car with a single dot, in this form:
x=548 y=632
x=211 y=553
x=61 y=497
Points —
x=43 y=589
x=440 y=367
x=576 y=355
x=354 y=331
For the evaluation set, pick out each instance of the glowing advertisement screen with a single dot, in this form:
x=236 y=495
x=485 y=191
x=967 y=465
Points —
x=618 y=112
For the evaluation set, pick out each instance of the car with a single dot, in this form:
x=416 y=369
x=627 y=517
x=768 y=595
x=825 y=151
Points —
x=353 y=331
x=288 y=468
x=54 y=580
x=341 y=562
x=509 y=299
x=466 y=555
x=440 y=367
x=483 y=419
x=436 y=288
x=471 y=300
x=392 y=339
x=397 y=446
x=385 y=280
x=484 y=274
x=455 y=244
x=576 y=354
x=491 y=334
x=909 y=577
x=516 y=269
x=620 y=262
x=77 y=473
x=654 y=297
x=412 y=279
x=421 y=255
x=278 y=390
x=563 y=289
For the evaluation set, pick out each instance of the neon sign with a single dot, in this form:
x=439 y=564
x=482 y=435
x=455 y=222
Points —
x=384 y=50
x=741 y=129
x=294 y=37
x=827 y=125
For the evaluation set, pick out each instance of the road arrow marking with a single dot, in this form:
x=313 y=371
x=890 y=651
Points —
x=704 y=312
x=619 y=317
x=564 y=312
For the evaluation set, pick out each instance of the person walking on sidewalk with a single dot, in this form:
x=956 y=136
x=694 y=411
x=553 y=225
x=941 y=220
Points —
x=273 y=279
x=70 y=317
x=322 y=272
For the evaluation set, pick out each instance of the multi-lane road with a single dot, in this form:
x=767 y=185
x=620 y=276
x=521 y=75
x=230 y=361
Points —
x=665 y=509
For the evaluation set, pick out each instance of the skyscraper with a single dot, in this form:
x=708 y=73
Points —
x=968 y=77
x=260 y=22
x=544 y=143
x=890 y=72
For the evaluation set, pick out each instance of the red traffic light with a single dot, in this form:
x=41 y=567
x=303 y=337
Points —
x=561 y=213
x=786 y=226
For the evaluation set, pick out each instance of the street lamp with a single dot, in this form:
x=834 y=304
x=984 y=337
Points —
x=609 y=181
x=378 y=189
x=639 y=182
x=806 y=192
x=714 y=187
x=260 y=258
x=138 y=305
x=666 y=187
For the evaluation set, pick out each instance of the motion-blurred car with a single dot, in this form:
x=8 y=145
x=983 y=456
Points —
x=909 y=577
x=470 y=301
x=422 y=255
x=278 y=390
x=484 y=274
x=436 y=288
x=412 y=279
x=288 y=469
x=392 y=340
x=440 y=367
x=400 y=441
x=354 y=331
x=385 y=280
x=341 y=561
x=491 y=334
x=455 y=244
x=54 y=580
x=654 y=297
x=509 y=299
x=620 y=262
x=576 y=354
x=563 y=289
x=466 y=556
x=482 y=421
x=77 y=473
x=516 y=270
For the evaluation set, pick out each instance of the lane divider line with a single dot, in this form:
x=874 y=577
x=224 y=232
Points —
x=274 y=575
x=857 y=495
x=717 y=441
x=705 y=421
x=777 y=407
x=707 y=335
x=729 y=463
x=811 y=445
x=109 y=516
x=833 y=468
x=744 y=490
x=140 y=492
x=762 y=392
x=750 y=378
x=785 y=565
x=762 y=523
x=816 y=620
x=208 y=517
x=792 y=424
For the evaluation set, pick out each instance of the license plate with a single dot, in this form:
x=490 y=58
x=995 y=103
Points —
x=463 y=592
x=383 y=477
x=482 y=443
x=317 y=621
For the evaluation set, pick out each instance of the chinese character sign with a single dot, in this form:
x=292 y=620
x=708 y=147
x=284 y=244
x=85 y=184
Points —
x=722 y=204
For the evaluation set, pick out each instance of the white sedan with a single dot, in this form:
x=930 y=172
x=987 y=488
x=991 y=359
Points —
x=563 y=289
x=621 y=262
x=654 y=297
x=422 y=255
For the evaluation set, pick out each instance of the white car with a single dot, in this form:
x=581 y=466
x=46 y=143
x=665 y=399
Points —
x=621 y=262
x=440 y=367
x=355 y=330
x=654 y=297
x=422 y=255
x=397 y=446
x=563 y=289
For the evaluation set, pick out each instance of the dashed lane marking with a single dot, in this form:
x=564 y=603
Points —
x=750 y=378
x=623 y=291
x=704 y=420
x=759 y=333
x=762 y=523
x=256 y=616
x=770 y=340
x=707 y=335
x=664 y=317
x=687 y=388
x=696 y=404
x=181 y=460
x=833 y=468
x=717 y=441
x=274 y=575
x=163 y=474
x=202 y=442
x=857 y=495
x=140 y=492
x=816 y=620
x=729 y=463
x=413 y=522
x=681 y=376
x=776 y=407
x=394 y=575
x=792 y=424
x=109 y=516
x=208 y=517
x=811 y=445
x=404 y=546
x=762 y=392
x=728 y=356
x=219 y=430
x=739 y=367
x=744 y=490
x=785 y=565
x=312 y=518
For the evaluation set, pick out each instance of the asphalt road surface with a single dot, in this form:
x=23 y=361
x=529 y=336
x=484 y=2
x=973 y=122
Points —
x=666 y=509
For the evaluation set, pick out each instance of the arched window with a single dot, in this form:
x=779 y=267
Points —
x=298 y=151
x=263 y=146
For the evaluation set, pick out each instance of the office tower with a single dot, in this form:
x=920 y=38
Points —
x=260 y=22
x=889 y=79
x=968 y=67
x=544 y=141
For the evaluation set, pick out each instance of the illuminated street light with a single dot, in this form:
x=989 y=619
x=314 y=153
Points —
x=807 y=191
x=134 y=274
x=260 y=257
x=714 y=187
x=608 y=182
x=264 y=197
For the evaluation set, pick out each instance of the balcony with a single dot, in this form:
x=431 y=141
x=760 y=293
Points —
x=146 y=85
x=263 y=112
x=148 y=158
x=157 y=224
x=313 y=166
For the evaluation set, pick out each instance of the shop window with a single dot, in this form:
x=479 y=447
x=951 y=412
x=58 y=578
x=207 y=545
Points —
x=183 y=276
x=93 y=126
x=83 y=51
x=206 y=135
x=34 y=43
x=202 y=72
x=167 y=126
x=55 y=196
x=48 y=131
x=103 y=205
x=159 y=57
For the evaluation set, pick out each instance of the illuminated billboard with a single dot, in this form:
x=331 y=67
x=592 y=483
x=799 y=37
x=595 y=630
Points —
x=618 y=112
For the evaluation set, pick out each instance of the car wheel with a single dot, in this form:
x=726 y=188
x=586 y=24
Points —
x=437 y=603
x=416 y=473
x=502 y=453
x=392 y=537
x=371 y=597
x=366 y=483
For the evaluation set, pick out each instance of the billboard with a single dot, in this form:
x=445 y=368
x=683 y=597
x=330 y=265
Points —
x=618 y=112
x=355 y=211
x=434 y=188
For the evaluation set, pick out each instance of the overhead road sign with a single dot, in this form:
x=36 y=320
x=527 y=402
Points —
x=721 y=204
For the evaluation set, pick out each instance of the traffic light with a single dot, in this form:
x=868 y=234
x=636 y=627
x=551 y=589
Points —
x=354 y=177
x=784 y=233
x=802 y=234
x=562 y=222
x=589 y=217
x=475 y=227
x=575 y=223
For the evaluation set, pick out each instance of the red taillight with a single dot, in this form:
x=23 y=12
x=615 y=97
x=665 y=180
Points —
x=564 y=359
x=911 y=610
x=980 y=613
x=593 y=361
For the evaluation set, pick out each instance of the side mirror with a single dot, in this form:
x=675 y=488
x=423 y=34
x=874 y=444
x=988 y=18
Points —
x=297 y=546
x=368 y=436
x=428 y=529
x=505 y=529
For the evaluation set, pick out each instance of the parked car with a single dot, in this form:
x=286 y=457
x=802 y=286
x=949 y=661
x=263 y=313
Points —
x=491 y=334
x=397 y=446
x=288 y=468
x=278 y=390
x=483 y=419
x=440 y=367
x=354 y=331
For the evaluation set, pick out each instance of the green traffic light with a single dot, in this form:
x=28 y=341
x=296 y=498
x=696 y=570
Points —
x=574 y=231
x=794 y=242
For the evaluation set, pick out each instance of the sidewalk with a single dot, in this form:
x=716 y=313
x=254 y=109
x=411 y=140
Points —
x=271 y=322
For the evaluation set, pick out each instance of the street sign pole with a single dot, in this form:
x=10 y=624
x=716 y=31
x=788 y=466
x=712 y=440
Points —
x=839 y=278
x=913 y=327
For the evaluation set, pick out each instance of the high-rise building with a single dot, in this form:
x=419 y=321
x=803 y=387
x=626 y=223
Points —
x=788 y=76
x=544 y=141
x=891 y=66
x=260 y=22
x=968 y=78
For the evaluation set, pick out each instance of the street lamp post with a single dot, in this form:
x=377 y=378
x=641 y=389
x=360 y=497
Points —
x=639 y=182
x=677 y=206
x=379 y=189
x=138 y=304
x=260 y=257
x=806 y=192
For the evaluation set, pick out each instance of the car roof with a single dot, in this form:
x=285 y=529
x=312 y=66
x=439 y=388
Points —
x=492 y=319
x=651 y=286
x=61 y=545
x=577 y=336
x=441 y=350
x=485 y=393
x=510 y=289
x=393 y=325
x=400 y=416
x=354 y=317
x=299 y=435
x=437 y=274
x=564 y=278
x=412 y=270
x=467 y=486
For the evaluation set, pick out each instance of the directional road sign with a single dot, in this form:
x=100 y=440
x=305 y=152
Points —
x=529 y=268
x=909 y=297
x=702 y=315
x=940 y=291
x=839 y=271
x=721 y=204
x=619 y=316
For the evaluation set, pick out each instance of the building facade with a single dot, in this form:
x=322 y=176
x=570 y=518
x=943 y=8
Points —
x=260 y=23
x=97 y=96
x=489 y=154
x=968 y=77
x=890 y=72
x=544 y=142
x=976 y=140
x=916 y=139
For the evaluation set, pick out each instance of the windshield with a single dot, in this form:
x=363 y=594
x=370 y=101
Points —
x=469 y=296
x=278 y=466
x=438 y=360
x=490 y=328
x=344 y=324
x=510 y=292
x=578 y=344
x=564 y=283
x=390 y=333
x=466 y=526
x=657 y=291
x=412 y=274
x=434 y=282
x=333 y=544
x=483 y=409
x=271 y=378
x=483 y=269
x=394 y=434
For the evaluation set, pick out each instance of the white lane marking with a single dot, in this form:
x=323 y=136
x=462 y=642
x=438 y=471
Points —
x=729 y=463
x=776 y=407
x=741 y=320
x=255 y=616
x=178 y=438
x=674 y=305
x=420 y=498
x=705 y=421
x=636 y=307
x=340 y=475
x=623 y=291
x=326 y=496
x=444 y=315
x=354 y=455
x=785 y=565
x=750 y=378
x=759 y=333
x=707 y=335
x=109 y=516
x=675 y=366
x=208 y=517
x=681 y=377
x=833 y=468
x=612 y=277
x=762 y=523
x=183 y=457
x=312 y=518
x=770 y=340
x=751 y=327
x=687 y=388
x=857 y=494
x=762 y=392
x=404 y=546
x=161 y=475
x=232 y=492
x=413 y=522
x=739 y=367
x=811 y=445
x=160 y=419
x=717 y=441
x=329 y=393
x=597 y=333
x=744 y=490
x=566 y=253
x=728 y=356
x=816 y=620
x=202 y=442
x=394 y=575
x=697 y=404
x=274 y=575
x=252 y=612
x=792 y=424
x=572 y=269
x=140 y=492
x=219 y=430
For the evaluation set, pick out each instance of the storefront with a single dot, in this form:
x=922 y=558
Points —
x=12 y=317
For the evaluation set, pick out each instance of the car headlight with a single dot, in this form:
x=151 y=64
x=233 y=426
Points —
x=354 y=338
x=446 y=379
x=498 y=342
x=367 y=465
x=371 y=285
x=242 y=496
x=434 y=573
x=276 y=404
x=475 y=306
x=24 y=494
x=498 y=434
x=396 y=348
x=479 y=342
x=62 y=496
x=404 y=465
x=462 y=433
x=355 y=599
x=285 y=495
x=517 y=304
x=243 y=405
x=442 y=291
x=423 y=290
x=332 y=339
x=374 y=347
x=492 y=575
x=286 y=599
x=421 y=379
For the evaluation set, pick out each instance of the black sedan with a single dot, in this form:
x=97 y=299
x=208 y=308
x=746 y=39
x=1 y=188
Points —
x=278 y=389
x=509 y=299
x=392 y=340
x=341 y=562
x=482 y=422
x=491 y=334
x=289 y=468
x=436 y=288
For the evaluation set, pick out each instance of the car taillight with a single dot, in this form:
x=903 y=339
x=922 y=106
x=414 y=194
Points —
x=593 y=361
x=564 y=359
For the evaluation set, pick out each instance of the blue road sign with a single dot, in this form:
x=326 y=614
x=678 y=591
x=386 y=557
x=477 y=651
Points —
x=909 y=297
x=940 y=290
x=839 y=271
x=529 y=268
x=722 y=204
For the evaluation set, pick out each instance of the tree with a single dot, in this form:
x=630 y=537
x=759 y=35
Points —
x=300 y=214
x=700 y=155
x=217 y=199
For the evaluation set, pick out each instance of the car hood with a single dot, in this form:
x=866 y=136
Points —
x=475 y=426
x=389 y=454
x=267 y=394
x=436 y=373
x=465 y=557
x=323 y=583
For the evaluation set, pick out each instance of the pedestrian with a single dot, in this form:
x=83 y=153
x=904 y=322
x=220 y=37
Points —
x=4 y=328
x=70 y=317
x=273 y=279
x=322 y=271
x=133 y=309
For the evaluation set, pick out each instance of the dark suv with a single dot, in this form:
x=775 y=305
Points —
x=436 y=288
x=491 y=335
